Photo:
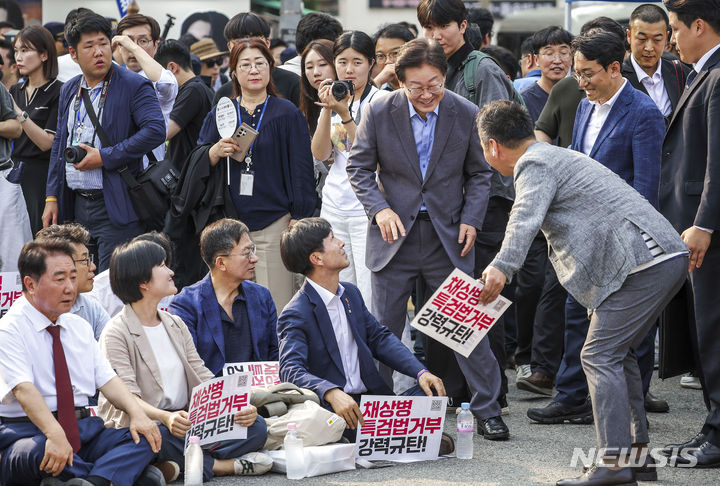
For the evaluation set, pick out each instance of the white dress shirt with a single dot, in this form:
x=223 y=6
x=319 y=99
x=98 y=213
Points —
x=655 y=86
x=172 y=372
x=27 y=356
x=166 y=89
x=344 y=337
x=597 y=120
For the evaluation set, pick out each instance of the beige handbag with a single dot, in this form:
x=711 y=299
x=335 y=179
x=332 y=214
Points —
x=315 y=425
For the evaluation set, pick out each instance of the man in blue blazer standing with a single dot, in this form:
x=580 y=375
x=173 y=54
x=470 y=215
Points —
x=328 y=338
x=91 y=191
x=230 y=318
x=621 y=128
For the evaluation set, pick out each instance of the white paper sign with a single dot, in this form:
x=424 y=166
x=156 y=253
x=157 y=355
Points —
x=454 y=315
x=399 y=428
x=213 y=406
x=225 y=117
x=10 y=290
x=264 y=373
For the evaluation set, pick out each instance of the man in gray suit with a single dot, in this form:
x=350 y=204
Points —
x=425 y=206
x=612 y=251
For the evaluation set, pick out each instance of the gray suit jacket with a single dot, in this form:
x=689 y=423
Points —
x=456 y=185
x=591 y=218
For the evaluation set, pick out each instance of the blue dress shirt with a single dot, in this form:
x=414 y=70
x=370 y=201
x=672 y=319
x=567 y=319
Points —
x=424 y=134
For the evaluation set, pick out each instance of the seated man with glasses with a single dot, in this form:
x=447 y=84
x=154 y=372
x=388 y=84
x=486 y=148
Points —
x=85 y=305
x=230 y=318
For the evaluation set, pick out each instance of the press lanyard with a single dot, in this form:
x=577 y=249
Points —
x=78 y=123
x=248 y=158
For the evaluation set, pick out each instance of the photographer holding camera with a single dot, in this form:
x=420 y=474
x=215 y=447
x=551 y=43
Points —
x=343 y=102
x=85 y=183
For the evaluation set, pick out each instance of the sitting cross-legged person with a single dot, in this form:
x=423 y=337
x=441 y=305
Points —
x=153 y=352
x=230 y=318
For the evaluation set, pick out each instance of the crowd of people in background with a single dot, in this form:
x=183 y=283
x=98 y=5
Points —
x=364 y=184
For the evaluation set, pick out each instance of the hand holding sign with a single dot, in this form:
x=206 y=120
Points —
x=226 y=121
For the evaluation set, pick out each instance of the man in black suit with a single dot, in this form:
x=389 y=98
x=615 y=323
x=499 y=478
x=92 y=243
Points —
x=690 y=200
x=649 y=68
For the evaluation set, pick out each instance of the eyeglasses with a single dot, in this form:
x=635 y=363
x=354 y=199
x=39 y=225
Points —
x=213 y=62
x=247 y=67
x=389 y=57
x=417 y=92
x=87 y=261
x=142 y=41
x=246 y=253
x=584 y=76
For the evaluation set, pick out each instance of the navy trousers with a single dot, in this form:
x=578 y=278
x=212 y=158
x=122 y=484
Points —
x=173 y=447
x=106 y=453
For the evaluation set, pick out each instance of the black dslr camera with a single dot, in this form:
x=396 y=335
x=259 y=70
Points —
x=340 y=89
x=74 y=154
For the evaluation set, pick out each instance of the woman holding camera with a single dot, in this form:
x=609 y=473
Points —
x=342 y=104
x=316 y=67
x=153 y=353
x=36 y=105
x=274 y=184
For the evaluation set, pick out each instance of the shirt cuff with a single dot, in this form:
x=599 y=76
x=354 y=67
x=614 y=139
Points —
x=704 y=229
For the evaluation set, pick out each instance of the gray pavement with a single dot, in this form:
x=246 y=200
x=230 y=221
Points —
x=535 y=454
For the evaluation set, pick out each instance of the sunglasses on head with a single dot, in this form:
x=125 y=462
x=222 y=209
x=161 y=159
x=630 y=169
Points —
x=213 y=62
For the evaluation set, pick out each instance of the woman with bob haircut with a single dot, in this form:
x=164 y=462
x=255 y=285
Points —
x=152 y=351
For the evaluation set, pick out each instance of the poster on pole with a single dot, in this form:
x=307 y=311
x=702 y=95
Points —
x=399 y=428
x=10 y=290
x=454 y=316
x=213 y=406
x=264 y=373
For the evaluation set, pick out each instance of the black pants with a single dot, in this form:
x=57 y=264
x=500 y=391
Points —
x=529 y=288
x=33 y=181
x=549 y=326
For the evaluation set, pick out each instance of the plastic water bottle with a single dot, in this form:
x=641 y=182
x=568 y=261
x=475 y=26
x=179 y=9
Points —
x=465 y=431
x=294 y=454
x=194 y=463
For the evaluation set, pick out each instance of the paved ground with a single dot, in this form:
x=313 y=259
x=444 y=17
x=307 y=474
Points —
x=535 y=454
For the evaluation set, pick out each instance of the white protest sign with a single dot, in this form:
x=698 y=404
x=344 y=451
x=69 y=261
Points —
x=213 y=406
x=225 y=117
x=399 y=428
x=454 y=315
x=10 y=290
x=264 y=373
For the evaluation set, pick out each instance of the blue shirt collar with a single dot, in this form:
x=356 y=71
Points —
x=414 y=112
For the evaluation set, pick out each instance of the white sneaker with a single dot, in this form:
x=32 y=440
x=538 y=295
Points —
x=692 y=382
x=523 y=371
x=253 y=464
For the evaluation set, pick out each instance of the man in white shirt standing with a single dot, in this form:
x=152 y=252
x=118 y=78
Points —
x=137 y=38
x=49 y=368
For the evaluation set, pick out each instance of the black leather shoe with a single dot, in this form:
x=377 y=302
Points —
x=558 y=413
x=645 y=471
x=706 y=456
x=654 y=404
x=676 y=449
x=493 y=428
x=602 y=476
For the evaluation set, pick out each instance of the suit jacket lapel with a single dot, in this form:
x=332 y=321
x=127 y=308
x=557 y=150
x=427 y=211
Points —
x=711 y=63
x=211 y=314
x=617 y=113
x=141 y=342
x=443 y=129
x=326 y=328
x=582 y=123
x=671 y=78
x=400 y=114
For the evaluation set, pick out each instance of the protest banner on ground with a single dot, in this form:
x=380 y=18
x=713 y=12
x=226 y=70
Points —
x=399 y=428
x=10 y=290
x=264 y=373
x=454 y=315
x=213 y=406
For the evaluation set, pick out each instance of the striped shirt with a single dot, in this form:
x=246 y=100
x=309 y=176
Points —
x=657 y=253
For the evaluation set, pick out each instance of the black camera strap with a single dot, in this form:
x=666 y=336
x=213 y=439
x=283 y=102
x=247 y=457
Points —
x=365 y=93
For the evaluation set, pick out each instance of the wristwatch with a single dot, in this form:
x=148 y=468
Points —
x=22 y=117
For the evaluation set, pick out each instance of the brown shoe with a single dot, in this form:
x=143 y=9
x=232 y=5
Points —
x=536 y=383
x=169 y=469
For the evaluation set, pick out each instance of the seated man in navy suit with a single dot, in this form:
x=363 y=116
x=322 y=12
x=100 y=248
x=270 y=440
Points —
x=231 y=319
x=328 y=338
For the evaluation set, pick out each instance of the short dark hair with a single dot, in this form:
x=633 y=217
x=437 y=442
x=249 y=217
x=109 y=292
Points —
x=506 y=122
x=314 y=26
x=394 y=31
x=133 y=20
x=527 y=47
x=473 y=36
x=162 y=240
x=33 y=257
x=504 y=58
x=72 y=232
x=14 y=13
x=604 y=23
x=246 y=24
x=173 y=51
x=131 y=264
x=650 y=14
x=550 y=36
x=601 y=46
x=483 y=18
x=688 y=11
x=39 y=38
x=441 y=12
x=277 y=42
x=300 y=240
x=86 y=22
x=418 y=52
x=411 y=27
x=220 y=237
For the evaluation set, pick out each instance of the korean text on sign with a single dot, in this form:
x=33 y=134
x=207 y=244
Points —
x=213 y=406
x=264 y=373
x=10 y=290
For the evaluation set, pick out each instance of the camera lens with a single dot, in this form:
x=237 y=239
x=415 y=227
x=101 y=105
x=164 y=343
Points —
x=339 y=90
x=74 y=154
